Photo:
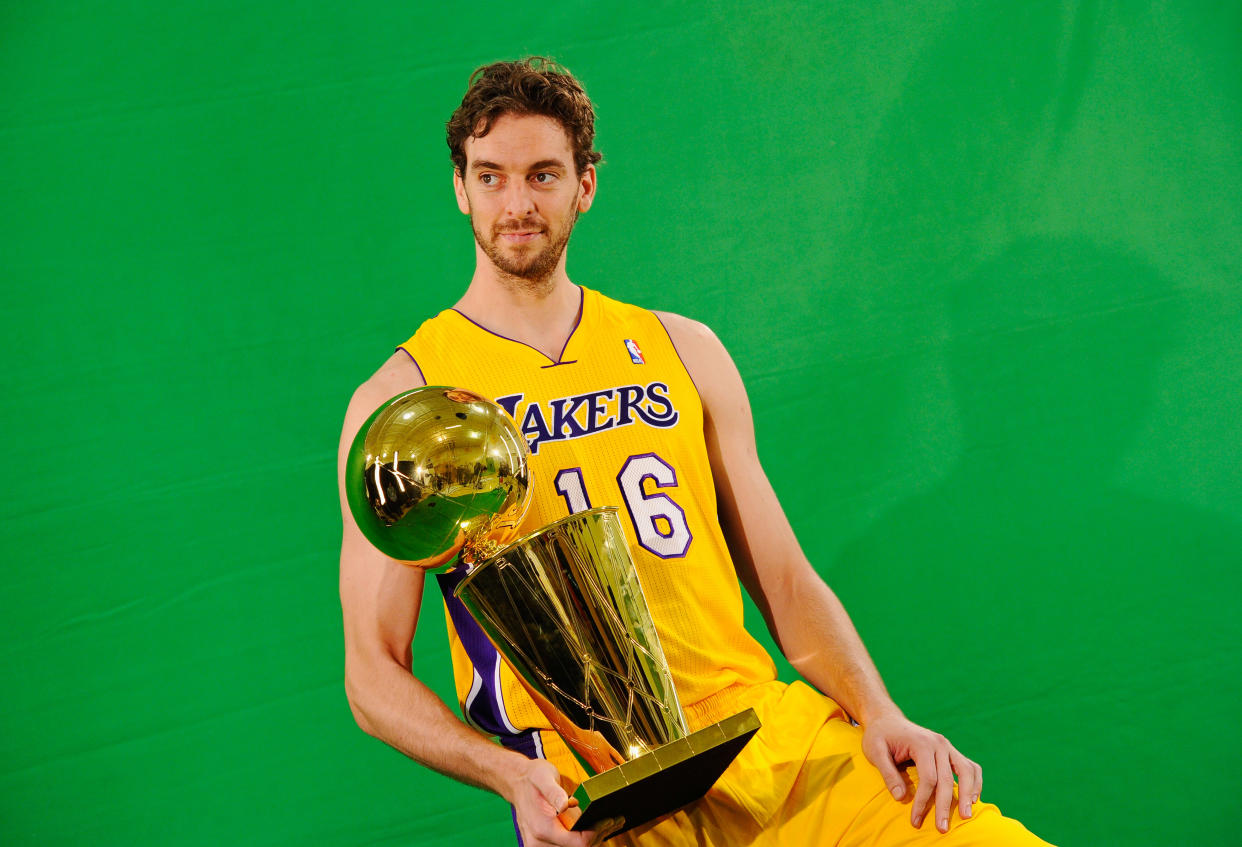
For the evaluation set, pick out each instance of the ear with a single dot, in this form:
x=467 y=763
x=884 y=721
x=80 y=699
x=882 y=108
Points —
x=459 y=188
x=586 y=188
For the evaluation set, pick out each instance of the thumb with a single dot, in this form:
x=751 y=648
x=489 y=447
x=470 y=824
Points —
x=547 y=782
x=877 y=751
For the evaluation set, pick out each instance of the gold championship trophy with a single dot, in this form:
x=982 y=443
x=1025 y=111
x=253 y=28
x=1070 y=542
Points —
x=437 y=468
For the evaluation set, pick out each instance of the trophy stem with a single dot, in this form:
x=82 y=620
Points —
x=565 y=609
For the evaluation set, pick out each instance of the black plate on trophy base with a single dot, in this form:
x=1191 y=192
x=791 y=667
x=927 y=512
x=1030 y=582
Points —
x=667 y=778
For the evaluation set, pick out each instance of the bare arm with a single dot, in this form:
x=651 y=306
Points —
x=803 y=614
x=380 y=601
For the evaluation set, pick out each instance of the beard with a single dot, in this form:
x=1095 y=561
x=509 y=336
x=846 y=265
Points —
x=527 y=264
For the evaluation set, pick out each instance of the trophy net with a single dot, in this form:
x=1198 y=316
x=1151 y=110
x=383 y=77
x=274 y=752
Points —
x=565 y=608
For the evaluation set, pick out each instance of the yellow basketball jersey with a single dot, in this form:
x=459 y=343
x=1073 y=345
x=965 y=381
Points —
x=616 y=421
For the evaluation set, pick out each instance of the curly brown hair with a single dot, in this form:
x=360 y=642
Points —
x=532 y=86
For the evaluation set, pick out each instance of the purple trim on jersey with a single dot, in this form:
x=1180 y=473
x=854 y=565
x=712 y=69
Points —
x=642 y=493
x=680 y=358
x=557 y=360
x=485 y=710
x=558 y=364
x=415 y=361
x=577 y=323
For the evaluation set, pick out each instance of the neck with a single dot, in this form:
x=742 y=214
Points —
x=541 y=314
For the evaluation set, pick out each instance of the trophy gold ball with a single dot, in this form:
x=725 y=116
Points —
x=435 y=469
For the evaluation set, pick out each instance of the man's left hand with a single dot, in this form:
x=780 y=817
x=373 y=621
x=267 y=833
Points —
x=891 y=740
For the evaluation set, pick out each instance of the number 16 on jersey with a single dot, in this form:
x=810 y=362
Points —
x=659 y=523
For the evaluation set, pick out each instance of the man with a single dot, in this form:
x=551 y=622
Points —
x=647 y=412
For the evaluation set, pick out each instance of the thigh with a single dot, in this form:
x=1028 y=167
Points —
x=805 y=781
x=841 y=799
x=888 y=823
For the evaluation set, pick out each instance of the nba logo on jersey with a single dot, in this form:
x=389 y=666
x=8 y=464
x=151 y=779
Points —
x=636 y=355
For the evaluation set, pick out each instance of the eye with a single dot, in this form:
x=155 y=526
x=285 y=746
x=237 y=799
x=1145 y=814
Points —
x=544 y=178
x=489 y=179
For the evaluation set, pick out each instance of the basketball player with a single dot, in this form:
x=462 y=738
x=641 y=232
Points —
x=644 y=411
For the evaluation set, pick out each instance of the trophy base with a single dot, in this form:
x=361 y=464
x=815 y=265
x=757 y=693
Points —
x=667 y=778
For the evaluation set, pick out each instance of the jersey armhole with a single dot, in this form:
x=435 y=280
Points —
x=680 y=358
x=418 y=367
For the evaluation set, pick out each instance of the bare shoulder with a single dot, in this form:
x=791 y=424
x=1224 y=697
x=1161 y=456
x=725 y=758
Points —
x=397 y=374
x=703 y=354
x=686 y=330
x=700 y=350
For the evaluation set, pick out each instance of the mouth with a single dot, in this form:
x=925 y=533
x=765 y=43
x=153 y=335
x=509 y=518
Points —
x=522 y=237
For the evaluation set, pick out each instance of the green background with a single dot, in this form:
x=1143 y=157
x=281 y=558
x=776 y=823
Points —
x=977 y=262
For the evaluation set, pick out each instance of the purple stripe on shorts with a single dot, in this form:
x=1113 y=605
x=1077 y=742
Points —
x=517 y=832
x=523 y=743
x=485 y=711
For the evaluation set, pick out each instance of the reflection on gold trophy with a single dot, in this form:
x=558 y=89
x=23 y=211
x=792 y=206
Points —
x=565 y=608
x=434 y=468
x=438 y=467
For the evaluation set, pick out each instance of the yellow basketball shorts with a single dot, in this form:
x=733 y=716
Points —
x=802 y=780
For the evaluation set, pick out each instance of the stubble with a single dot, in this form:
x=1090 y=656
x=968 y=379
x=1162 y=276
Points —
x=529 y=271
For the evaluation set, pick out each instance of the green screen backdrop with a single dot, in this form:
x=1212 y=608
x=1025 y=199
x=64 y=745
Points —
x=989 y=250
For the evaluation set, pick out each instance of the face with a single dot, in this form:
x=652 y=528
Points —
x=523 y=195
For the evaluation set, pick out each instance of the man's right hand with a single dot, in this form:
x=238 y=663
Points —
x=539 y=800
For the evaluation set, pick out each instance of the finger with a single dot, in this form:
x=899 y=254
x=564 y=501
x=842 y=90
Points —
x=606 y=829
x=547 y=783
x=877 y=752
x=552 y=831
x=561 y=837
x=925 y=761
x=967 y=782
x=944 y=789
x=570 y=815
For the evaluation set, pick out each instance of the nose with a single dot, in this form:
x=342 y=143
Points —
x=519 y=199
